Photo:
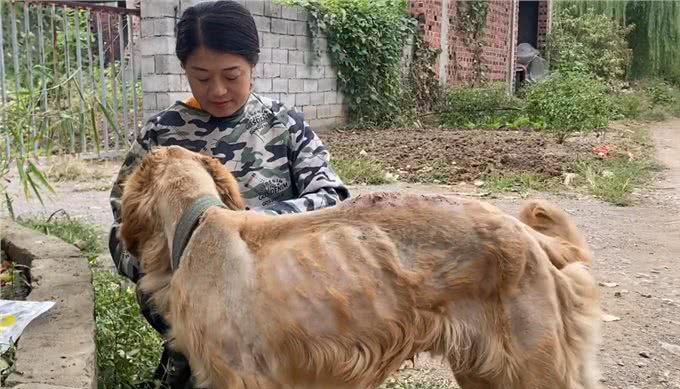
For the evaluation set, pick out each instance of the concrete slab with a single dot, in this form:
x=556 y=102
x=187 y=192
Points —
x=24 y=244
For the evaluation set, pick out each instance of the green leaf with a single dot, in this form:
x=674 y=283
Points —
x=40 y=175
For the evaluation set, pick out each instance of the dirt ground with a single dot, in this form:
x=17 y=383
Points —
x=637 y=248
x=449 y=156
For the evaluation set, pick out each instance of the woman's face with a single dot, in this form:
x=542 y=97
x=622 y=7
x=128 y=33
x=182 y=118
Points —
x=220 y=82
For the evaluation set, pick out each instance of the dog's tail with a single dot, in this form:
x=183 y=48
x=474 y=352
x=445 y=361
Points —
x=559 y=236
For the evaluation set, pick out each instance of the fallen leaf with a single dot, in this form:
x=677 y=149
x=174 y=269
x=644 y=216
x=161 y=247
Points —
x=609 y=284
x=607 y=318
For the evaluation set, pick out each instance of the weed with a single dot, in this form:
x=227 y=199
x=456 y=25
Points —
x=128 y=349
x=614 y=180
x=7 y=363
x=656 y=114
x=362 y=171
x=630 y=105
x=519 y=182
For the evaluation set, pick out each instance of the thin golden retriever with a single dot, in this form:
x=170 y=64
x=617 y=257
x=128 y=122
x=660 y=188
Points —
x=340 y=297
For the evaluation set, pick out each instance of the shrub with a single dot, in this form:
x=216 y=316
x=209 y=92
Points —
x=589 y=43
x=630 y=105
x=484 y=107
x=660 y=92
x=365 y=41
x=569 y=102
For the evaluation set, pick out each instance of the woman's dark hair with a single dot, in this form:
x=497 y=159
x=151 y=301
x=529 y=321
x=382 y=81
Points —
x=223 y=26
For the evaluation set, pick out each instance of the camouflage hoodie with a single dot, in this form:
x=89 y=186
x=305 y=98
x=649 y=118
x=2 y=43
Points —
x=279 y=162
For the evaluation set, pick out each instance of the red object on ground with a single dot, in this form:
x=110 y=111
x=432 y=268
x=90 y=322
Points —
x=602 y=151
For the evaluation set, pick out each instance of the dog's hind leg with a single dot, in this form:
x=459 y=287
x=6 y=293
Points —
x=559 y=236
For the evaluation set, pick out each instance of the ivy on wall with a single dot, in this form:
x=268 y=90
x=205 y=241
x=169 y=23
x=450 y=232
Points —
x=423 y=80
x=471 y=21
x=366 y=40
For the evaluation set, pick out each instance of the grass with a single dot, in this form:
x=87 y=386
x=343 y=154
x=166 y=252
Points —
x=362 y=171
x=614 y=180
x=435 y=173
x=656 y=114
x=72 y=169
x=522 y=182
x=85 y=236
x=128 y=349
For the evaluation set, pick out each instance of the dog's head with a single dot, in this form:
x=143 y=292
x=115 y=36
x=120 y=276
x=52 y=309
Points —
x=169 y=178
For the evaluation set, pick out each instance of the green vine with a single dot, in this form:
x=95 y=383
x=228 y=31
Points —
x=471 y=19
x=365 y=42
x=422 y=78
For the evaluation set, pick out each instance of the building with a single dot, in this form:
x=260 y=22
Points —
x=508 y=23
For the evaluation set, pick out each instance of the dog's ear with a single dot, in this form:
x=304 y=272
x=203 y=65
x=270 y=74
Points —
x=225 y=182
x=137 y=219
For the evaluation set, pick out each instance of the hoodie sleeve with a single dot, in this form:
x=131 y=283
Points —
x=316 y=183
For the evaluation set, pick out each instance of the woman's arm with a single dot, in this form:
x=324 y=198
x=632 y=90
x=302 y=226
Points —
x=126 y=264
x=316 y=183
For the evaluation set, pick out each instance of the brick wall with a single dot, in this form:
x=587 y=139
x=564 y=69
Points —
x=544 y=21
x=495 y=51
x=288 y=69
x=497 y=39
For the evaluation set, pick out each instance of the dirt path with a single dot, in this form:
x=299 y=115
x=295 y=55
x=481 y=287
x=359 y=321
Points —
x=637 y=248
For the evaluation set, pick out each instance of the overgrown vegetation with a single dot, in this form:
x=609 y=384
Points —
x=422 y=81
x=651 y=100
x=50 y=108
x=586 y=89
x=365 y=41
x=568 y=103
x=590 y=44
x=486 y=106
x=128 y=349
x=654 y=37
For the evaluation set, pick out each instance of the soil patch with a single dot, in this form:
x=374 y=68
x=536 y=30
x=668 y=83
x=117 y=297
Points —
x=449 y=156
x=14 y=281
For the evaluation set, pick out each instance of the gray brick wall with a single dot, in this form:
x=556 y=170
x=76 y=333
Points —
x=288 y=69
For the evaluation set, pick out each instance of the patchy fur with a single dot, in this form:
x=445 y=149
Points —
x=340 y=297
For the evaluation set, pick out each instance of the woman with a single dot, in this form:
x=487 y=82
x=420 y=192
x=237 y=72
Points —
x=280 y=164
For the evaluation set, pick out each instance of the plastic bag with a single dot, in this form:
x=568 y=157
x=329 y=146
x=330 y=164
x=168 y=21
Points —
x=15 y=316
